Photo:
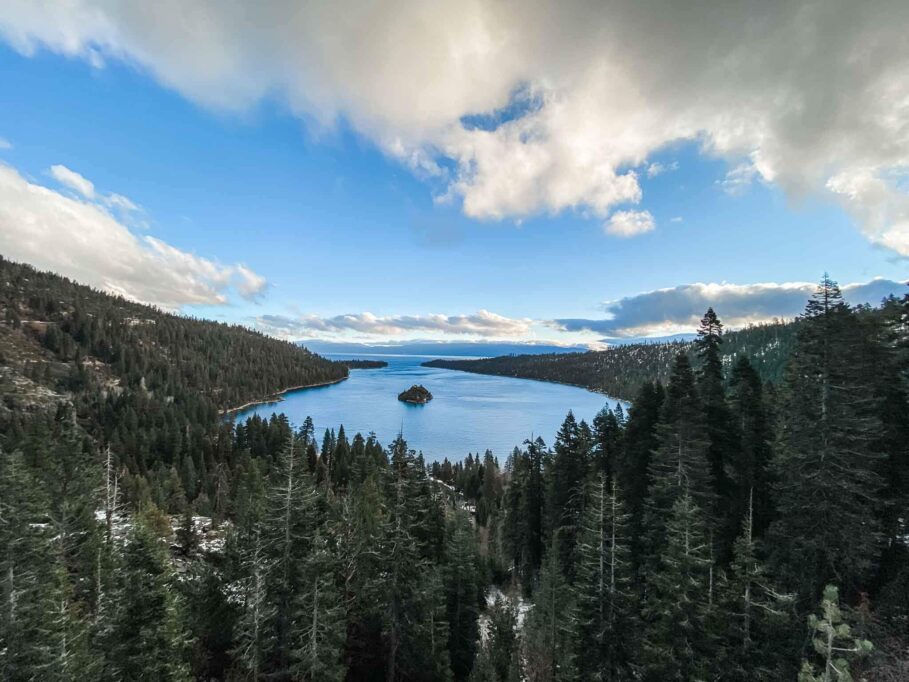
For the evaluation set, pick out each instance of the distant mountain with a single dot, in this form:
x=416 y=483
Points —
x=477 y=349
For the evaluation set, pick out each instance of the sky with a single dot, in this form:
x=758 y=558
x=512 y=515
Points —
x=532 y=172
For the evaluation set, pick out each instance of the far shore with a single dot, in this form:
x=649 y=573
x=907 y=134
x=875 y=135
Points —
x=279 y=396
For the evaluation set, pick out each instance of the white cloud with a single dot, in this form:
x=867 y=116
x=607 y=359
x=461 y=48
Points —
x=629 y=223
x=574 y=93
x=481 y=324
x=82 y=240
x=739 y=179
x=5 y=144
x=121 y=202
x=249 y=284
x=679 y=309
x=656 y=168
x=877 y=204
x=73 y=180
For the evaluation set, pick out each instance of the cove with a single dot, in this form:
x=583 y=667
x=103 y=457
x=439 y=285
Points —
x=468 y=413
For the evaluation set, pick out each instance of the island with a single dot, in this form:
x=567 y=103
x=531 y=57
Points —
x=417 y=395
x=364 y=364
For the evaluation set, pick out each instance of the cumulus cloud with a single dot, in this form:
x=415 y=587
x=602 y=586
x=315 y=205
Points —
x=629 y=223
x=482 y=323
x=575 y=98
x=73 y=180
x=679 y=309
x=83 y=240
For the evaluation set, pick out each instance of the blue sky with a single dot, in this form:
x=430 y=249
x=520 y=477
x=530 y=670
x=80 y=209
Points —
x=337 y=221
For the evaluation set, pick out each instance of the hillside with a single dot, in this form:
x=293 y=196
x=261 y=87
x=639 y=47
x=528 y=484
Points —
x=620 y=371
x=114 y=359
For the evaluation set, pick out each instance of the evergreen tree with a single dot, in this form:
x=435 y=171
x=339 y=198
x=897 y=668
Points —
x=550 y=626
x=462 y=583
x=679 y=466
x=341 y=461
x=753 y=613
x=319 y=623
x=826 y=468
x=605 y=627
x=749 y=472
x=147 y=641
x=833 y=643
x=502 y=640
x=608 y=427
x=290 y=524
x=634 y=470
x=675 y=635
x=565 y=489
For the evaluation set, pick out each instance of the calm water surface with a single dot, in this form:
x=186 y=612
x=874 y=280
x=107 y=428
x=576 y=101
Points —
x=468 y=413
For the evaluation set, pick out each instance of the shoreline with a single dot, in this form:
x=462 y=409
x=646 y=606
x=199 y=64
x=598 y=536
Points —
x=589 y=389
x=279 y=396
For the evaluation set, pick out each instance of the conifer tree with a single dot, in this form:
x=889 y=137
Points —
x=678 y=599
x=826 y=468
x=319 y=623
x=501 y=645
x=341 y=461
x=603 y=595
x=634 y=469
x=290 y=524
x=752 y=612
x=720 y=430
x=608 y=427
x=679 y=466
x=549 y=648
x=565 y=489
x=833 y=643
x=462 y=583
x=749 y=471
x=147 y=640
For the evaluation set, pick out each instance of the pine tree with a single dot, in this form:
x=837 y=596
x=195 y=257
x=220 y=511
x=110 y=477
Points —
x=147 y=640
x=502 y=639
x=605 y=627
x=320 y=625
x=826 y=468
x=608 y=427
x=752 y=612
x=749 y=472
x=341 y=461
x=833 y=642
x=550 y=626
x=254 y=638
x=678 y=599
x=565 y=489
x=41 y=633
x=679 y=466
x=634 y=468
x=462 y=580
x=290 y=523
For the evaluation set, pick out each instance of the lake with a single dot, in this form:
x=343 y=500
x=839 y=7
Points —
x=468 y=413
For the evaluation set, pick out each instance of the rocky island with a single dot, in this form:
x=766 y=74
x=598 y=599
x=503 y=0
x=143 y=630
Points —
x=417 y=395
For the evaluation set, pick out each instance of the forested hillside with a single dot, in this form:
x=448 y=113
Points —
x=145 y=382
x=620 y=371
x=719 y=531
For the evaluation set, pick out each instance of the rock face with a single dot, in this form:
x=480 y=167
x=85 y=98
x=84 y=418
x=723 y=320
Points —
x=415 y=394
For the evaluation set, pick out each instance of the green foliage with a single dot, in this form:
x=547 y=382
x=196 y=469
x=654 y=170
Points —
x=833 y=642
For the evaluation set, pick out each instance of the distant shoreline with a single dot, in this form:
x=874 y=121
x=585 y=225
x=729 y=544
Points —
x=279 y=396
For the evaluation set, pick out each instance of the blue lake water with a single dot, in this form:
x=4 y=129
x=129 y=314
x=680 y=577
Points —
x=468 y=413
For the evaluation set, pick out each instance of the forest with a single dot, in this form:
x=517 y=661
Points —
x=620 y=371
x=735 y=524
